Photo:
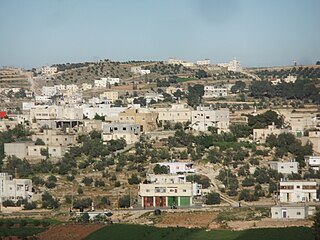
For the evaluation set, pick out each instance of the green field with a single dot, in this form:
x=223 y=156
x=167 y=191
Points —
x=138 y=232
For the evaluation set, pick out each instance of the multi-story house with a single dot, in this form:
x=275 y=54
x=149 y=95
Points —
x=284 y=167
x=110 y=97
x=128 y=131
x=205 y=117
x=177 y=113
x=168 y=190
x=298 y=191
x=313 y=162
x=14 y=189
x=55 y=138
x=179 y=167
x=260 y=135
x=215 y=92
x=146 y=119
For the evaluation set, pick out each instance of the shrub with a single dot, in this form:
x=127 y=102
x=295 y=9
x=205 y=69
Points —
x=213 y=198
x=50 y=185
x=117 y=184
x=30 y=206
x=8 y=203
x=124 y=201
x=87 y=181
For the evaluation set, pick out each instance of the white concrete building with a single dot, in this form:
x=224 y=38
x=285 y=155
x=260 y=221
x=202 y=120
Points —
x=313 y=162
x=292 y=211
x=110 y=97
x=104 y=82
x=233 y=66
x=215 y=92
x=179 y=167
x=55 y=138
x=260 y=134
x=168 y=190
x=139 y=70
x=26 y=106
x=284 y=167
x=298 y=191
x=47 y=70
x=18 y=149
x=153 y=96
x=49 y=91
x=14 y=189
x=176 y=113
x=205 y=117
x=204 y=62
x=86 y=86
x=129 y=132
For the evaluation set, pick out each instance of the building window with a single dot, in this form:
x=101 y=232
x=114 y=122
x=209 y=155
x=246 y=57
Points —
x=298 y=186
x=276 y=213
x=124 y=129
x=148 y=190
x=184 y=190
x=298 y=213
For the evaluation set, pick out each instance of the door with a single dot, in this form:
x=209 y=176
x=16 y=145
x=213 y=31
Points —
x=284 y=213
x=172 y=201
x=184 y=201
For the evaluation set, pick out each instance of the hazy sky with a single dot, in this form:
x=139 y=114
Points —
x=257 y=32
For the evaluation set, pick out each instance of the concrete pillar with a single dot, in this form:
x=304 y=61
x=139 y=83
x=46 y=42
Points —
x=154 y=201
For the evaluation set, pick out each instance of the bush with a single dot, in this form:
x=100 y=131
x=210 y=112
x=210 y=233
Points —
x=8 y=203
x=124 y=201
x=213 y=198
x=105 y=201
x=80 y=190
x=70 y=178
x=134 y=179
x=30 y=206
x=50 y=185
x=87 y=181
x=117 y=184
x=9 y=223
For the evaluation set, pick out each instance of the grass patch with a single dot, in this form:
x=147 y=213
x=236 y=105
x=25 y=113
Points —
x=242 y=214
x=138 y=232
x=24 y=227
x=21 y=231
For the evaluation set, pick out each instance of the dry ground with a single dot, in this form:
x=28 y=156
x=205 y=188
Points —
x=69 y=231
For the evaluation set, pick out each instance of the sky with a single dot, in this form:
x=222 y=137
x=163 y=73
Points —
x=35 y=33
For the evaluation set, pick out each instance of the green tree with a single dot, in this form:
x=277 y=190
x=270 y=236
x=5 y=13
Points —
x=39 y=141
x=158 y=169
x=124 y=201
x=213 y=198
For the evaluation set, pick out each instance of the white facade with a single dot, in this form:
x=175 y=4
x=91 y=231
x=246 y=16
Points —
x=292 y=212
x=233 y=66
x=260 y=135
x=313 y=162
x=14 y=189
x=284 y=167
x=47 y=70
x=111 y=97
x=104 y=82
x=298 y=191
x=204 y=62
x=153 y=96
x=204 y=117
x=26 y=106
x=179 y=167
x=129 y=132
x=215 y=92
x=177 y=113
x=49 y=91
x=86 y=86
